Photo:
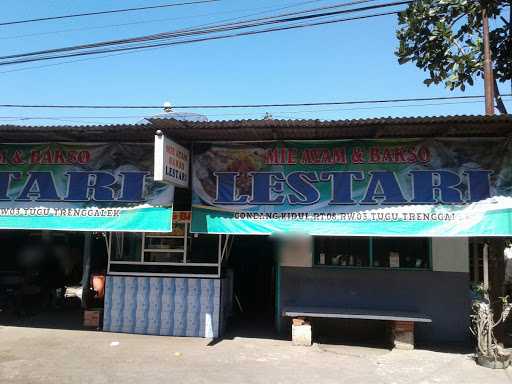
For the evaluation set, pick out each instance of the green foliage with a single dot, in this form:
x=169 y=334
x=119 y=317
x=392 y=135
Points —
x=444 y=38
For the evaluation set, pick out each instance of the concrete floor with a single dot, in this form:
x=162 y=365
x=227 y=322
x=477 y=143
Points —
x=41 y=355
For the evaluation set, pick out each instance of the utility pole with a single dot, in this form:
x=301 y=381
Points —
x=488 y=73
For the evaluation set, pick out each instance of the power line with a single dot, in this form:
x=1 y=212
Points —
x=23 y=117
x=379 y=107
x=286 y=114
x=215 y=28
x=197 y=40
x=60 y=52
x=266 y=10
x=105 y=12
x=73 y=61
x=230 y=106
x=160 y=47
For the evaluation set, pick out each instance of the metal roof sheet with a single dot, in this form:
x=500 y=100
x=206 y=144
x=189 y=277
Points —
x=253 y=130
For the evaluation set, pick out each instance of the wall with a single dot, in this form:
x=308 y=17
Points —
x=167 y=306
x=442 y=294
x=296 y=252
x=450 y=254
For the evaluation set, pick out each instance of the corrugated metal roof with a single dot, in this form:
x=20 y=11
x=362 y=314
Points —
x=251 y=130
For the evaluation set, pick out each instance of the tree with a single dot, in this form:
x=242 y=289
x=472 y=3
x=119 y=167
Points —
x=444 y=38
x=497 y=280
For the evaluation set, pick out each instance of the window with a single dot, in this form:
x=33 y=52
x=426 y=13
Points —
x=167 y=247
x=125 y=247
x=343 y=251
x=177 y=252
x=411 y=252
x=377 y=252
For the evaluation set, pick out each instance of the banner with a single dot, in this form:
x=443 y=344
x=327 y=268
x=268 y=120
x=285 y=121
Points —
x=82 y=187
x=405 y=187
x=172 y=162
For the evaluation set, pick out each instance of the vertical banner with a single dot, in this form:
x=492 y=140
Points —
x=82 y=187
x=172 y=162
x=406 y=187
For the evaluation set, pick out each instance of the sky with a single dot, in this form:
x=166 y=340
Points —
x=341 y=62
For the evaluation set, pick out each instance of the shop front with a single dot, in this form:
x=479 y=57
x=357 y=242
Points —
x=59 y=204
x=365 y=229
x=166 y=283
x=280 y=221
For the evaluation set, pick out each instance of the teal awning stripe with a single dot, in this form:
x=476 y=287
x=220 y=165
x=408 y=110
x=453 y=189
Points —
x=152 y=219
x=490 y=223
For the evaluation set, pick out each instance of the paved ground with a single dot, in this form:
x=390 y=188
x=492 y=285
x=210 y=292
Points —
x=38 y=355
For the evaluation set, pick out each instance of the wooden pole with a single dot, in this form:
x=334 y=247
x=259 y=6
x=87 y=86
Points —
x=488 y=73
x=476 y=263
x=486 y=266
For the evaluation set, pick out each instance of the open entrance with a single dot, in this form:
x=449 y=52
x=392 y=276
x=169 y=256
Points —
x=252 y=262
x=46 y=277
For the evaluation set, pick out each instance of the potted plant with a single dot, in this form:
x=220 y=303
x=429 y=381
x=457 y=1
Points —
x=489 y=353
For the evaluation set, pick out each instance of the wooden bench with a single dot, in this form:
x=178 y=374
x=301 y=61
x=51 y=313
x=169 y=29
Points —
x=402 y=323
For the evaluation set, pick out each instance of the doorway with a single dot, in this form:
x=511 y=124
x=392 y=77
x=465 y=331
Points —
x=252 y=261
x=42 y=277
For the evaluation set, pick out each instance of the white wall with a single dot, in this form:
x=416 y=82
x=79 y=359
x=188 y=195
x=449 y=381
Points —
x=450 y=254
x=296 y=251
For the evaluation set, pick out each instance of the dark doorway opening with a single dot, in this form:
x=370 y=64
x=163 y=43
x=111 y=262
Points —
x=42 y=277
x=252 y=262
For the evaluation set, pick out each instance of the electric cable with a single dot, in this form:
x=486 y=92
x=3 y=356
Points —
x=229 y=106
x=104 y=12
x=105 y=26
x=47 y=54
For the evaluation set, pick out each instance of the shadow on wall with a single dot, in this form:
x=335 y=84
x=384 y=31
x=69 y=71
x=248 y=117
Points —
x=443 y=296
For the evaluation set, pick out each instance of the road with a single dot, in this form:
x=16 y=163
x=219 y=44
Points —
x=39 y=355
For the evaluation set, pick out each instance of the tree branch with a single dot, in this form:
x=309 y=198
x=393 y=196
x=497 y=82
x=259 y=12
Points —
x=500 y=105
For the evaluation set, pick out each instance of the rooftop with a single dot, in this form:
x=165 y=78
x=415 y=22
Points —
x=256 y=130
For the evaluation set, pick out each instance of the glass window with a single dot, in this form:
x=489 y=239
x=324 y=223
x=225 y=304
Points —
x=166 y=247
x=343 y=251
x=170 y=253
x=409 y=252
x=379 y=252
x=126 y=246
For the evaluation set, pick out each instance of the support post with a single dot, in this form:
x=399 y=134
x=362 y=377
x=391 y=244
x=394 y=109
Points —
x=277 y=298
x=86 y=267
x=486 y=266
x=403 y=334
x=476 y=263
x=488 y=73
x=301 y=332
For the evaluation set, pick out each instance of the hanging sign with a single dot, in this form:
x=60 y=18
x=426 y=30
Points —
x=82 y=187
x=407 y=187
x=181 y=216
x=172 y=162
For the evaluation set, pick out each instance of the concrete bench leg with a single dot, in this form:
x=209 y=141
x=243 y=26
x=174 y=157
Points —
x=402 y=334
x=301 y=332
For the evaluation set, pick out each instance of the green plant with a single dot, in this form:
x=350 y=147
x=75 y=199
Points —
x=482 y=327
x=444 y=39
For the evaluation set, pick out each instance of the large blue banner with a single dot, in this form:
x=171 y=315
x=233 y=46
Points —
x=404 y=187
x=82 y=187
